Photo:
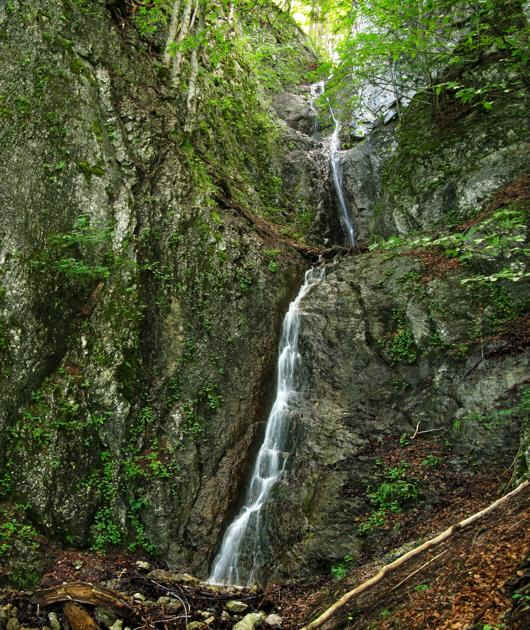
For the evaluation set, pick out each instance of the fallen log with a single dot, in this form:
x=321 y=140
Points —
x=340 y=603
x=85 y=593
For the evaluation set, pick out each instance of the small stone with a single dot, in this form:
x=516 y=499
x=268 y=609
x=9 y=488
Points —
x=250 y=621
x=54 y=622
x=104 y=616
x=139 y=597
x=209 y=620
x=78 y=566
x=273 y=621
x=4 y=611
x=204 y=613
x=235 y=606
x=142 y=565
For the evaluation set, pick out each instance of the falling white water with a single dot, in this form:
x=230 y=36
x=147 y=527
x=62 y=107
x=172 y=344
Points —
x=317 y=89
x=240 y=557
x=336 y=169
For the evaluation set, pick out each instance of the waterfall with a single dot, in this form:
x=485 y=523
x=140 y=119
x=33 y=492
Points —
x=241 y=554
x=336 y=169
x=240 y=557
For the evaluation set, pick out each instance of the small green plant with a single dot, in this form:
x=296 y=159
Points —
x=394 y=494
x=404 y=440
x=420 y=588
x=6 y=484
x=401 y=346
x=431 y=461
x=341 y=569
x=73 y=253
x=374 y=521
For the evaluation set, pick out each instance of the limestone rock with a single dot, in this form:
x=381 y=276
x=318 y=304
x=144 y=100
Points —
x=54 y=621
x=250 y=621
x=142 y=565
x=273 y=621
x=235 y=606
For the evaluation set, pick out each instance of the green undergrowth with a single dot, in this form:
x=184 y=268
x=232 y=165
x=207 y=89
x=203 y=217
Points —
x=19 y=558
x=394 y=492
x=502 y=236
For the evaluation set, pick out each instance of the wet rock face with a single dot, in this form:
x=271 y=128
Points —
x=361 y=167
x=429 y=169
x=384 y=352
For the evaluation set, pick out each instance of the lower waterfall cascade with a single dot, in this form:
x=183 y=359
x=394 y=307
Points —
x=240 y=557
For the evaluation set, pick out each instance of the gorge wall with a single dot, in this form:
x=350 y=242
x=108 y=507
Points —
x=155 y=229
x=142 y=283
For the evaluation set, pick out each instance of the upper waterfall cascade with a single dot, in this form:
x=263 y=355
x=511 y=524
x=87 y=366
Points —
x=336 y=166
x=336 y=170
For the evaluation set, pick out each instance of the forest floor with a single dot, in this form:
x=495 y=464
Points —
x=477 y=579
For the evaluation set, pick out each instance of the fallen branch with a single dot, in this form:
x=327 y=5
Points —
x=340 y=603
x=417 y=432
x=84 y=593
x=425 y=564
x=267 y=230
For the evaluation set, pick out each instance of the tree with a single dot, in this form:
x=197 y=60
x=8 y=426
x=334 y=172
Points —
x=421 y=46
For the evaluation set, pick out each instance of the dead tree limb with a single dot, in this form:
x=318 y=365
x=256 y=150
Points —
x=340 y=603
x=85 y=593
x=425 y=564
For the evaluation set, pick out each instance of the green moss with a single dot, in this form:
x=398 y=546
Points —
x=400 y=345
x=19 y=549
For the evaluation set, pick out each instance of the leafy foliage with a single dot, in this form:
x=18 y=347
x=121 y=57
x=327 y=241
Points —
x=394 y=493
x=405 y=46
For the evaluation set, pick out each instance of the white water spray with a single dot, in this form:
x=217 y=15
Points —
x=240 y=557
x=336 y=169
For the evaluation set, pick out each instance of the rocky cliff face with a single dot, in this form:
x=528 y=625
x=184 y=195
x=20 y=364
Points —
x=142 y=281
x=155 y=227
